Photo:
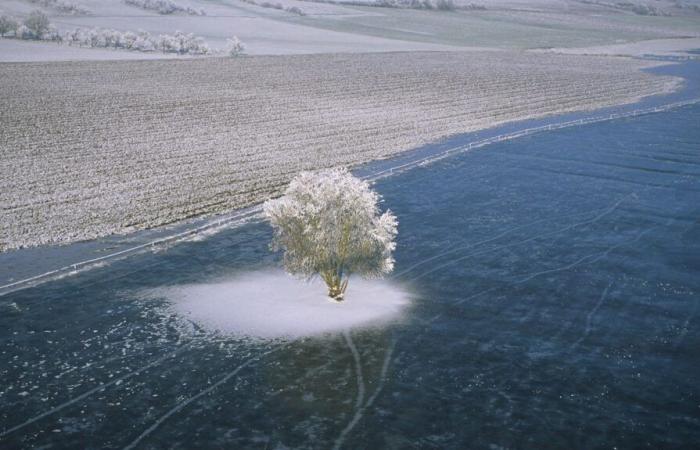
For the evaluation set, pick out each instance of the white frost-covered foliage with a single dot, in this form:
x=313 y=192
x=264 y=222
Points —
x=37 y=26
x=180 y=43
x=37 y=22
x=61 y=6
x=165 y=7
x=8 y=25
x=234 y=46
x=329 y=223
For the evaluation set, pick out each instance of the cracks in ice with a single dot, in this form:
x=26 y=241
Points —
x=491 y=239
x=590 y=315
x=595 y=219
x=87 y=394
x=358 y=370
x=359 y=408
x=587 y=259
x=183 y=404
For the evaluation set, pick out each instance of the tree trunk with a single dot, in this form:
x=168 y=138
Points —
x=336 y=285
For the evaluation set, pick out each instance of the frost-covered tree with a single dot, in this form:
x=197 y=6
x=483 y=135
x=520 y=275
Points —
x=445 y=5
x=328 y=223
x=142 y=41
x=234 y=46
x=7 y=25
x=37 y=23
x=182 y=43
x=295 y=10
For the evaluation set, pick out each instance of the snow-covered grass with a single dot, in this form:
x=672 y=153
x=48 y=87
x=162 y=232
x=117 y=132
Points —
x=93 y=148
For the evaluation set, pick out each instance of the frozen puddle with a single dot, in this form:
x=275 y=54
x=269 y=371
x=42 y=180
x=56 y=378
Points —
x=273 y=304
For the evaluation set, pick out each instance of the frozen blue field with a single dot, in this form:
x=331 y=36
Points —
x=555 y=284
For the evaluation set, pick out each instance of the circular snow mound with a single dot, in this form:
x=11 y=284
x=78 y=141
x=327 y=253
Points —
x=273 y=304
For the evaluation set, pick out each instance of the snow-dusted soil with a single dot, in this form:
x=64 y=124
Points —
x=94 y=148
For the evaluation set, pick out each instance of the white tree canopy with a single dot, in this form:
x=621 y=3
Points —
x=329 y=223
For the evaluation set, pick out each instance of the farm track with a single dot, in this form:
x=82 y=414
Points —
x=95 y=148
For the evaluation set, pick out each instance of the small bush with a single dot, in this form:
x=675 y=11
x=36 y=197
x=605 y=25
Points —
x=234 y=46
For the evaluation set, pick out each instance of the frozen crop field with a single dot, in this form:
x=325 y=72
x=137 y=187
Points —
x=94 y=148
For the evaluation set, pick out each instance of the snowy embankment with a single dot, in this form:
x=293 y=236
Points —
x=94 y=148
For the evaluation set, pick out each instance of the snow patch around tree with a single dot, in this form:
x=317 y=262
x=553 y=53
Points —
x=274 y=305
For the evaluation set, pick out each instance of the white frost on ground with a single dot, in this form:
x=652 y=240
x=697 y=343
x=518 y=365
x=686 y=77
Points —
x=95 y=148
x=659 y=47
x=272 y=304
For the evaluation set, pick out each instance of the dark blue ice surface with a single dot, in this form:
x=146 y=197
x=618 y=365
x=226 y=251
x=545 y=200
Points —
x=557 y=305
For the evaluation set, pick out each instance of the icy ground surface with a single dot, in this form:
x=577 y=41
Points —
x=556 y=281
x=271 y=304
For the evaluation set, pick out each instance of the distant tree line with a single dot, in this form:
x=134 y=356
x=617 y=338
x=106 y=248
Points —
x=265 y=4
x=61 y=6
x=38 y=27
x=165 y=7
